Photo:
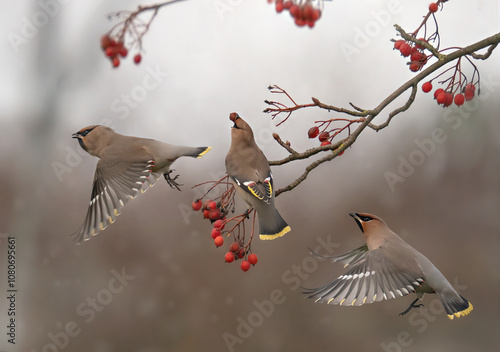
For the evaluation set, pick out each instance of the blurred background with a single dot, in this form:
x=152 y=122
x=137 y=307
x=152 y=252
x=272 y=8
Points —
x=154 y=281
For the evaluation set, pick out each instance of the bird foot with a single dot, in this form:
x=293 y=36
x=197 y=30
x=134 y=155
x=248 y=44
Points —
x=247 y=213
x=171 y=181
x=412 y=305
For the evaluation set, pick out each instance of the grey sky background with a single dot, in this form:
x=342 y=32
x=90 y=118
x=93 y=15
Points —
x=202 y=61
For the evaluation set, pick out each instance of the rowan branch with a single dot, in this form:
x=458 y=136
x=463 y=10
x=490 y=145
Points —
x=365 y=117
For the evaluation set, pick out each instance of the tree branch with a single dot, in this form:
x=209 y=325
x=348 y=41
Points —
x=338 y=147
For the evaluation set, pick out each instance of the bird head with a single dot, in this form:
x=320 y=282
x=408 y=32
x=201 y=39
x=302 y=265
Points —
x=241 y=129
x=90 y=138
x=367 y=222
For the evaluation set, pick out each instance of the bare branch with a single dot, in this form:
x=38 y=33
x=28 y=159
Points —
x=338 y=147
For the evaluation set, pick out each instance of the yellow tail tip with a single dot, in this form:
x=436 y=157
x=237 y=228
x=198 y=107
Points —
x=275 y=236
x=204 y=152
x=462 y=313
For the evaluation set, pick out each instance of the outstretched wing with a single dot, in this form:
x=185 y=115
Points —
x=372 y=277
x=115 y=183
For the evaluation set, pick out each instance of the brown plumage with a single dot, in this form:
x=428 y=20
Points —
x=251 y=175
x=127 y=166
x=387 y=267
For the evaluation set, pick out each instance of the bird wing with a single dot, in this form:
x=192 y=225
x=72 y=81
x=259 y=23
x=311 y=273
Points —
x=262 y=191
x=348 y=258
x=372 y=277
x=115 y=183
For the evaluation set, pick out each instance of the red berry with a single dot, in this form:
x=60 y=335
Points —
x=234 y=247
x=110 y=52
x=219 y=224
x=469 y=91
x=398 y=43
x=196 y=205
x=252 y=259
x=219 y=241
x=212 y=205
x=123 y=52
x=229 y=257
x=416 y=56
x=241 y=253
x=325 y=143
x=459 y=99
x=245 y=266
x=419 y=46
x=308 y=12
x=427 y=87
x=205 y=214
x=471 y=86
x=214 y=214
x=323 y=136
x=116 y=62
x=448 y=99
x=433 y=7
x=313 y=132
x=405 y=49
x=469 y=94
x=287 y=4
x=205 y=204
x=215 y=233
x=437 y=92
x=441 y=97
x=105 y=42
x=414 y=67
x=137 y=58
x=316 y=15
x=300 y=22
x=295 y=10
x=279 y=7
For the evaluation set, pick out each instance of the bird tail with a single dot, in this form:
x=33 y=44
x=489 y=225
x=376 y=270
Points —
x=197 y=152
x=455 y=305
x=272 y=224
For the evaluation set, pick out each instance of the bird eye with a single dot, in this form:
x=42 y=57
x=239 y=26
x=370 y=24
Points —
x=366 y=218
x=86 y=132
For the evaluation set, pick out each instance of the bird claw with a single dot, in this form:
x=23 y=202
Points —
x=412 y=305
x=171 y=181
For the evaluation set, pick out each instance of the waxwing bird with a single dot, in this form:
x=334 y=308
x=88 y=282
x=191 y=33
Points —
x=127 y=166
x=251 y=175
x=387 y=267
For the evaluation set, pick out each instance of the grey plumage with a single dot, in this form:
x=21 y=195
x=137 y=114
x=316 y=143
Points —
x=127 y=166
x=249 y=170
x=387 y=267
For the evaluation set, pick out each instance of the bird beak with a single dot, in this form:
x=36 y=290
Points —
x=358 y=221
x=234 y=117
x=75 y=135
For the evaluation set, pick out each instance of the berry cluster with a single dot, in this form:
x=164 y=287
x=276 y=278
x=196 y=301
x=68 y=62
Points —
x=114 y=49
x=216 y=212
x=458 y=89
x=416 y=53
x=324 y=137
x=211 y=210
x=303 y=12
x=447 y=97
